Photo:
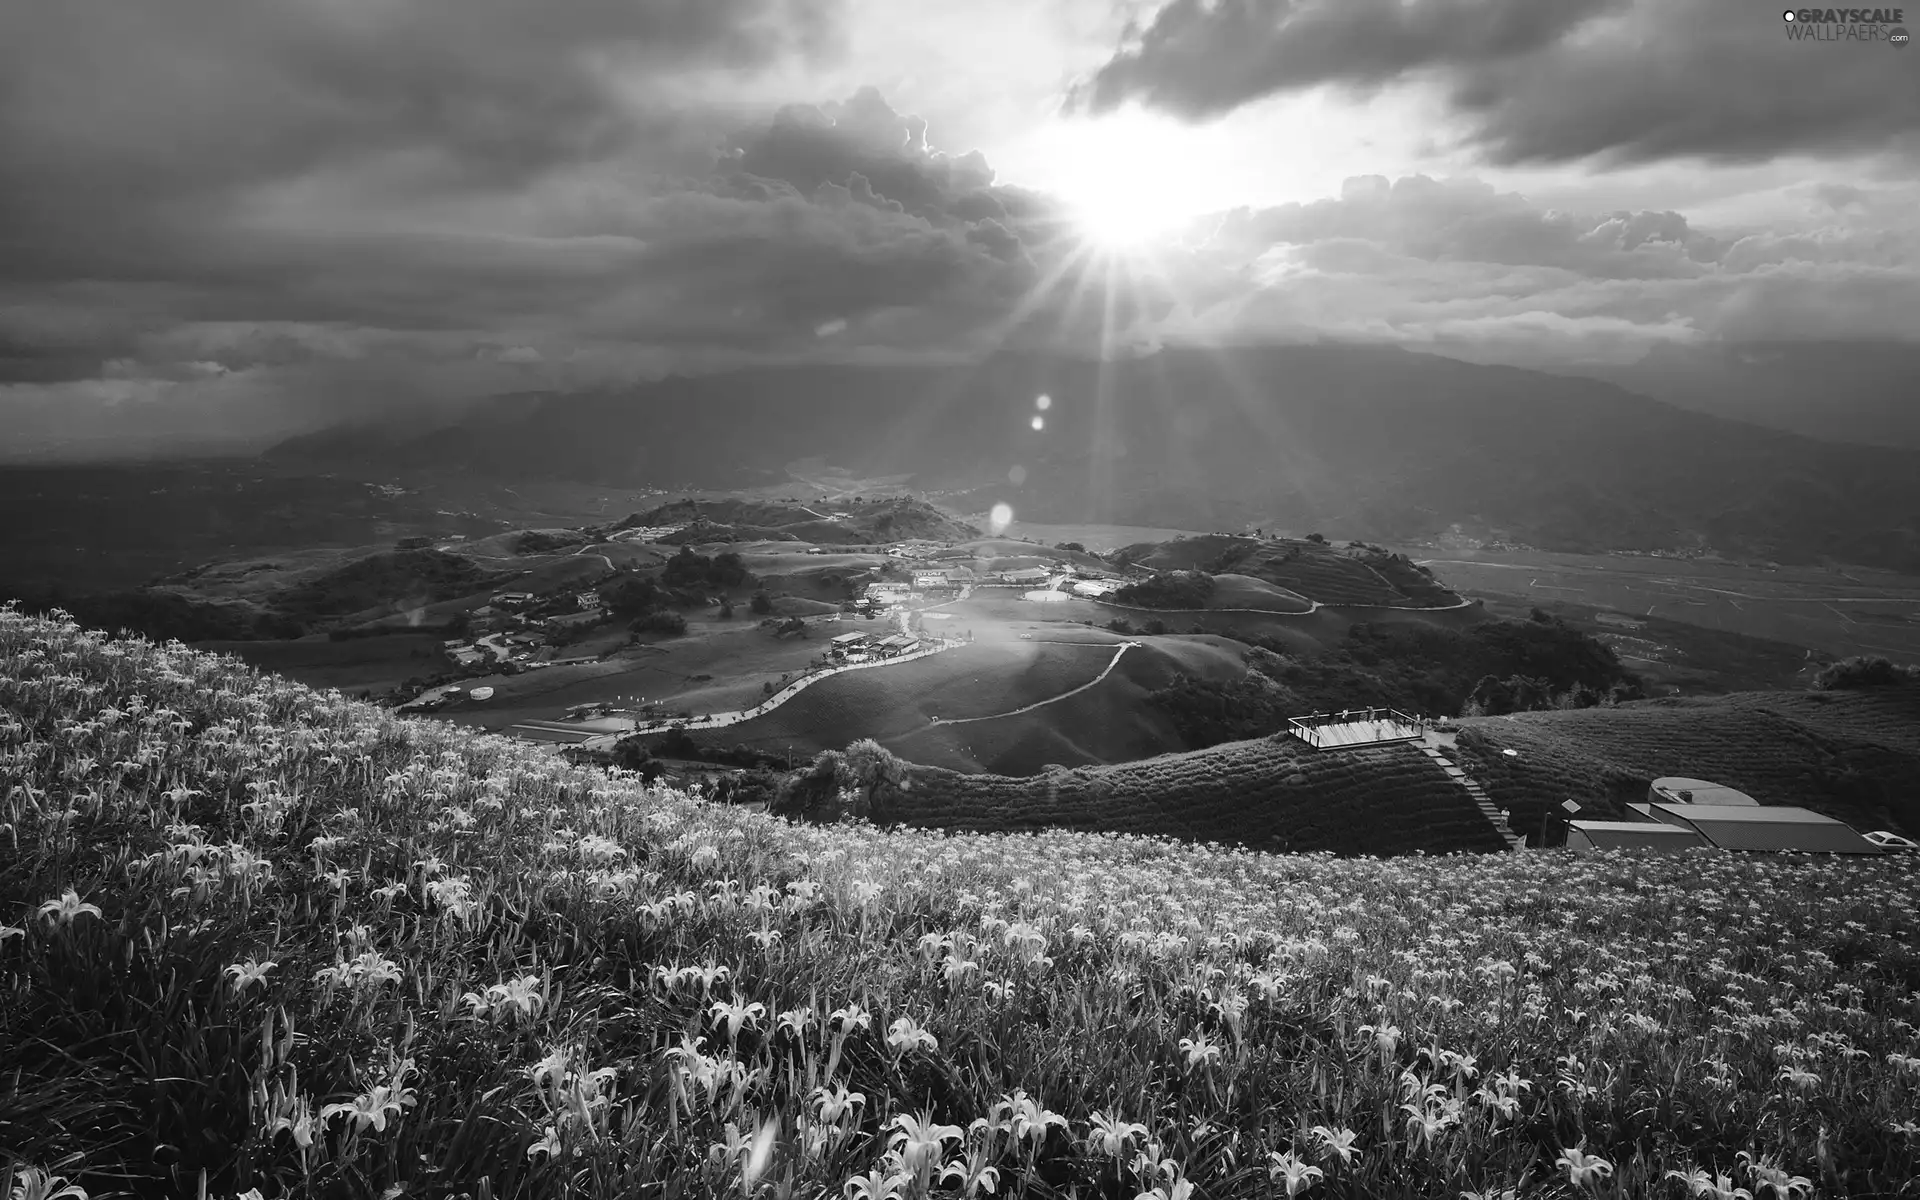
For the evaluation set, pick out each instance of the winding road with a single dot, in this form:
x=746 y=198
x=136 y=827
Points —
x=722 y=720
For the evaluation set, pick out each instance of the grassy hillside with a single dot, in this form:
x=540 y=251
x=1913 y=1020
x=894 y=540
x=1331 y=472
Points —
x=828 y=523
x=268 y=939
x=1332 y=575
x=393 y=579
x=1852 y=754
x=1245 y=591
x=1110 y=722
x=1418 y=666
x=889 y=702
x=1267 y=794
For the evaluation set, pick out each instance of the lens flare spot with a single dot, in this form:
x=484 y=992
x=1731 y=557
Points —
x=1039 y=422
x=1016 y=475
x=1000 y=517
x=1044 y=402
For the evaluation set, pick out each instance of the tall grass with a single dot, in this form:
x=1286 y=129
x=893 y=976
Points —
x=260 y=938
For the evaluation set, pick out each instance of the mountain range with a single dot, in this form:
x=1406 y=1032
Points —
x=1862 y=392
x=1358 y=441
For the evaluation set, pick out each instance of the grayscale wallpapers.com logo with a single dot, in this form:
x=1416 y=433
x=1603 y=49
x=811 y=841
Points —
x=1847 y=25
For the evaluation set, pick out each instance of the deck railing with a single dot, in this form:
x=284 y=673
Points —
x=1314 y=727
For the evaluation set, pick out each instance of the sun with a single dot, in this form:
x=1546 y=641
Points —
x=1131 y=181
x=1123 y=221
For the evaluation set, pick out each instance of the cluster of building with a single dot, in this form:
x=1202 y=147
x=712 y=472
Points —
x=646 y=533
x=1682 y=814
x=502 y=631
x=924 y=584
x=866 y=647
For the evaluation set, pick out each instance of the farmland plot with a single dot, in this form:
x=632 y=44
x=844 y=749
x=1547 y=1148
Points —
x=1839 y=611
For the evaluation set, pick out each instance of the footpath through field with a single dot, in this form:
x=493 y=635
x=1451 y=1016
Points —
x=1124 y=647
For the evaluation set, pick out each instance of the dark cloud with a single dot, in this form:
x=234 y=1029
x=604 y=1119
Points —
x=277 y=216
x=123 y=125
x=1201 y=58
x=1623 y=80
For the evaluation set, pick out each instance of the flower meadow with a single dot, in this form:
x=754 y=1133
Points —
x=261 y=941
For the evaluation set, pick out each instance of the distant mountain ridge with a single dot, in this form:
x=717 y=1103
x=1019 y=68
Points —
x=1866 y=393
x=1363 y=441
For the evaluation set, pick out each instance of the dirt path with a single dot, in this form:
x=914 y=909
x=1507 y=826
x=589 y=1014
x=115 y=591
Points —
x=1124 y=647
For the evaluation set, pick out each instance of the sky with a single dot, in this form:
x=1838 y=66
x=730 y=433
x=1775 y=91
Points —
x=226 y=220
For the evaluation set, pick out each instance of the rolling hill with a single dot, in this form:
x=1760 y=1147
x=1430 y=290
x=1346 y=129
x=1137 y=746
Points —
x=1269 y=794
x=1109 y=722
x=1353 y=441
x=1339 y=575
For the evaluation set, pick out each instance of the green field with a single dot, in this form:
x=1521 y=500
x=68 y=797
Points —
x=1678 y=658
x=272 y=941
x=1839 y=611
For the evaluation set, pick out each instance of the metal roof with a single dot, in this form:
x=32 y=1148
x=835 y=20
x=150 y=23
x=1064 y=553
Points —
x=1776 y=827
x=1668 y=788
x=1626 y=835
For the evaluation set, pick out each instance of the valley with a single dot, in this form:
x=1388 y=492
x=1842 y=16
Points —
x=1835 y=610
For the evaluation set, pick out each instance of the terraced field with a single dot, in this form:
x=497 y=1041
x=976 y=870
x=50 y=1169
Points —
x=1853 y=755
x=1265 y=794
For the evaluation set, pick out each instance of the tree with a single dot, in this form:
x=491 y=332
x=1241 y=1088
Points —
x=1864 y=671
x=670 y=623
x=631 y=754
x=867 y=772
x=728 y=570
x=630 y=596
x=761 y=604
x=726 y=610
x=1317 y=539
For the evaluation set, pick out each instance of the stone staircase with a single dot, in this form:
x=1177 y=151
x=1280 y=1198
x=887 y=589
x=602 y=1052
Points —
x=1480 y=797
